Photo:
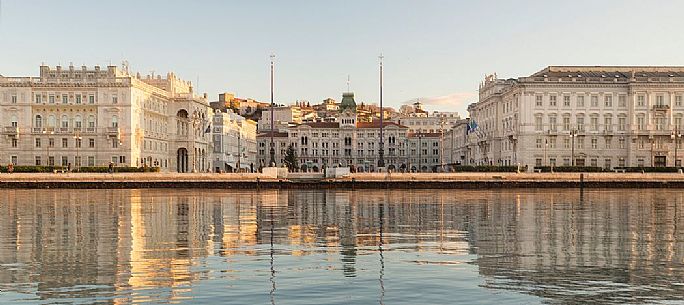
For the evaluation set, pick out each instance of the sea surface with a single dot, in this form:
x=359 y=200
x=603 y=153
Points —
x=519 y=246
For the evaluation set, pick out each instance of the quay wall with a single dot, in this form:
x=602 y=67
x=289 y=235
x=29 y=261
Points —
x=353 y=181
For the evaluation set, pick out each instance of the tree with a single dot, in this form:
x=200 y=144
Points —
x=291 y=158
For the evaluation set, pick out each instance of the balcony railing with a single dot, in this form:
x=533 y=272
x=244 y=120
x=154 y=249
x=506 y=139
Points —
x=11 y=130
x=661 y=107
x=113 y=131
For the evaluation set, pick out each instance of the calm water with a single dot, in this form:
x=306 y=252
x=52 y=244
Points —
x=341 y=247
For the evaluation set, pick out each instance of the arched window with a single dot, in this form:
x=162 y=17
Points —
x=91 y=121
x=52 y=121
x=78 y=121
x=115 y=121
x=14 y=121
x=38 y=121
x=65 y=121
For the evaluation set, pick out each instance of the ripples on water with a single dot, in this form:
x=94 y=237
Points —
x=341 y=247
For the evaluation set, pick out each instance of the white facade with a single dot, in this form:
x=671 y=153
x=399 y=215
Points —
x=234 y=139
x=91 y=117
x=586 y=116
x=354 y=144
x=281 y=115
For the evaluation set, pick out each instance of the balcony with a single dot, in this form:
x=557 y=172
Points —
x=90 y=130
x=113 y=131
x=63 y=130
x=11 y=130
x=661 y=107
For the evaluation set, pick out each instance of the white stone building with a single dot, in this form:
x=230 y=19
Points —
x=355 y=144
x=234 y=143
x=587 y=116
x=282 y=115
x=91 y=117
x=422 y=121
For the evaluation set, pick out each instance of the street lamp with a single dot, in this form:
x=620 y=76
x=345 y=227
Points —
x=46 y=132
x=675 y=136
x=420 y=152
x=381 y=159
x=78 y=139
x=272 y=151
x=573 y=135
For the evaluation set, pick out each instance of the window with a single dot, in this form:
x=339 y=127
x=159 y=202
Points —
x=678 y=122
x=65 y=121
x=65 y=99
x=65 y=143
x=39 y=98
x=594 y=162
x=552 y=123
x=641 y=100
x=660 y=123
x=115 y=143
x=608 y=123
x=37 y=142
x=566 y=143
x=641 y=123
x=78 y=142
x=14 y=99
x=580 y=101
x=678 y=100
x=13 y=121
x=91 y=143
x=51 y=142
x=115 y=99
x=91 y=99
x=78 y=98
x=594 y=143
x=78 y=121
x=552 y=100
x=580 y=123
x=594 y=101
x=38 y=161
x=621 y=143
x=538 y=162
x=539 y=143
x=580 y=142
x=51 y=99
x=594 y=123
x=65 y=161
x=608 y=100
x=566 y=123
x=538 y=123
x=115 y=121
x=91 y=161
x=622 y=124
x=566 y=101
x=622 y=101
x=660 y=100
x=609 y=142
x=15 y=142
x=538 y=100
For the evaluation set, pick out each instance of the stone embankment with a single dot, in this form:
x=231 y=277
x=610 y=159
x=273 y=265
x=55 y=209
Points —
x=352 y=181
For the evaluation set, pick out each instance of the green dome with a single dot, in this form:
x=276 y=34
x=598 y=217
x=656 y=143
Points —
x=348 y=102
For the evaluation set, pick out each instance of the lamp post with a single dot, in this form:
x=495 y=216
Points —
x=676 y=135
x=420 y=152
x=381 y=159
x=78 y=143
x=272 y=150
x=47 y=146
x=239 y=153
x=573 y=135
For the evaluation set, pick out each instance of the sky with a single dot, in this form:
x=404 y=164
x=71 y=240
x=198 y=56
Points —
x=435 y=51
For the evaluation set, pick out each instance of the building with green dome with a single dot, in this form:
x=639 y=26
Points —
x=348 y=102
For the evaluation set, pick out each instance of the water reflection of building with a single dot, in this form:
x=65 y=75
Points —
x=156 y=244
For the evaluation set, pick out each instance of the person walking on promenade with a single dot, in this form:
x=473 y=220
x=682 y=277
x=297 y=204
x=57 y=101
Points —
x=111 y=167
x=10 y=168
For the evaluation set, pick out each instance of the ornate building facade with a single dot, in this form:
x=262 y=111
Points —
x=578 y=115
x=94 y=117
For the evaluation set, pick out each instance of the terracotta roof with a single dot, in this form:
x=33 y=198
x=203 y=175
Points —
x=276 y=134
x=376 y=124
x=323 y=124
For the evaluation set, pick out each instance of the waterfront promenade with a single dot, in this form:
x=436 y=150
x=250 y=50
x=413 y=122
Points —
x=352 y=181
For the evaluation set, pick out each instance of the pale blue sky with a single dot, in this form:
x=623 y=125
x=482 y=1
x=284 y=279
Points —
x=432 y=49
